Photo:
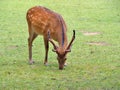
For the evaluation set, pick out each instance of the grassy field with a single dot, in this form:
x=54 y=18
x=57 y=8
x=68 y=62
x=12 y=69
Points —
x=93 y=64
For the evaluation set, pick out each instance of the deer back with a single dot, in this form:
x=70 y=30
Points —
x=41 y=19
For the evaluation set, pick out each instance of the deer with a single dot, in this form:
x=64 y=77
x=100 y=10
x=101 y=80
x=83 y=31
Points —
x=51 y=25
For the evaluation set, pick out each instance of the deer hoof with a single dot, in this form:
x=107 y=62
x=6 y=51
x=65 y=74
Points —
x=31 y=62
x=46 y=64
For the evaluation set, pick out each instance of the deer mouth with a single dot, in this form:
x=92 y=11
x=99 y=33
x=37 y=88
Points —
x=60 y=68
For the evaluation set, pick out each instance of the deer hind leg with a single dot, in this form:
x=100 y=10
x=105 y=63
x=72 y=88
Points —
x=31 y=38
x=46 y=50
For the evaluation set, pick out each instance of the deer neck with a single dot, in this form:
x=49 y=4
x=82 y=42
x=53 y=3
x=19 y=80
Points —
x=63 y=36
x=62 y=41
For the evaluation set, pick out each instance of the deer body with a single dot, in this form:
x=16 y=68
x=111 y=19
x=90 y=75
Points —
x=42 y=21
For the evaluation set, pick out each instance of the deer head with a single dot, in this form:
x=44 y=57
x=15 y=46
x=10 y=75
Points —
x=61 y=52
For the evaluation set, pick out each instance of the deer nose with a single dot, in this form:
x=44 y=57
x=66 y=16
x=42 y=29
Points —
x=60 y=68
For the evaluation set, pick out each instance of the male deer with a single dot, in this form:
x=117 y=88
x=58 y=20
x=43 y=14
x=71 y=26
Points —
x=42 y=21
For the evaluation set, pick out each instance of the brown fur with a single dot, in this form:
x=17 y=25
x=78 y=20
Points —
x=41 y=20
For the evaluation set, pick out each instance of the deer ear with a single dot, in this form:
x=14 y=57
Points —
x=68 y=50
x=70 y=44
x=54 y=50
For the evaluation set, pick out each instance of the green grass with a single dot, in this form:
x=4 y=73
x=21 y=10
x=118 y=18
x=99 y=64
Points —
x=90 y=67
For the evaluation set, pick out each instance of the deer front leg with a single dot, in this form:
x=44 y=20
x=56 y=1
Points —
x=46 y=50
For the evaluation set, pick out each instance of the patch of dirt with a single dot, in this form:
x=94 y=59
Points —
x=86 y=33
x=98 y=43
x=12 y=46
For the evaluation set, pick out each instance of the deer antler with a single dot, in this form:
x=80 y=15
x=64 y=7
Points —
x=55 y=47
x=70 y=44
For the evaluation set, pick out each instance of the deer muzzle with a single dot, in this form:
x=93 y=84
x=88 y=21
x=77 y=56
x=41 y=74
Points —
x=61 y=67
